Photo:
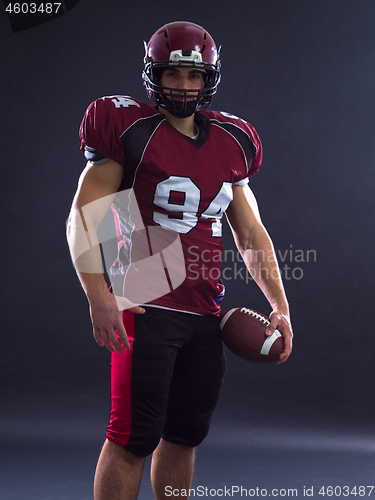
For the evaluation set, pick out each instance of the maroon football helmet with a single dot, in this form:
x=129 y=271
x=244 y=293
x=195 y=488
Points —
x=187 y=45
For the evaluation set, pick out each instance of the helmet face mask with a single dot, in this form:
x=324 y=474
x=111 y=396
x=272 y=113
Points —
x=181 y=45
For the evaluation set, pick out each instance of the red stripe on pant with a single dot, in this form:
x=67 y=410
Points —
x=119 y=428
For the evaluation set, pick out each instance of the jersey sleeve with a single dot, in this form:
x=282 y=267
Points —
x=251 y=145
x=105 y=121
x=242 y=182
x=246 y=137
x=99 y=132
x=256 y=161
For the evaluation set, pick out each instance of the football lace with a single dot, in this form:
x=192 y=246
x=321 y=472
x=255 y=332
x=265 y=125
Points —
x=256 y=315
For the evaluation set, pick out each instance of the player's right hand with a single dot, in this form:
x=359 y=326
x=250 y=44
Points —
x=108 y=326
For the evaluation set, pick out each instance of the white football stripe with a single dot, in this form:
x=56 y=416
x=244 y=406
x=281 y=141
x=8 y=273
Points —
x=268 y=343
x=226 y=317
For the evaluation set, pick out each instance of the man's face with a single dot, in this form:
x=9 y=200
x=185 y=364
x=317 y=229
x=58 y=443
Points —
x=180 y=78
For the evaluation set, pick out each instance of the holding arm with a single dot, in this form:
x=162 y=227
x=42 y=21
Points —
x=99 y=184
x=257 y=251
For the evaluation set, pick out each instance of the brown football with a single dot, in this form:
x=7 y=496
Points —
x=243 y=332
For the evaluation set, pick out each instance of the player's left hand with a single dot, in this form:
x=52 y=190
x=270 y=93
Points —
x=281 y=322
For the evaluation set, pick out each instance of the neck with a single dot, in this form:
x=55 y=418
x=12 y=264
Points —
x=185 y=126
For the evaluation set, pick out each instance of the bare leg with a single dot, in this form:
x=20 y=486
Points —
x=172 y=465
x=118 y=473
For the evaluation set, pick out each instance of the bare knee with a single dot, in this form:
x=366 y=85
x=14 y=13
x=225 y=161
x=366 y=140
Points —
x=174 y=449
x=113 y=451
x=118 y=473
x=172 y=466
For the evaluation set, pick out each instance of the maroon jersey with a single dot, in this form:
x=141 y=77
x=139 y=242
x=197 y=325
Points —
x=181 y=184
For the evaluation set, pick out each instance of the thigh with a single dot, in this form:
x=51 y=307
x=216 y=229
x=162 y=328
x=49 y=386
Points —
x=196 y=385
x=141 y=378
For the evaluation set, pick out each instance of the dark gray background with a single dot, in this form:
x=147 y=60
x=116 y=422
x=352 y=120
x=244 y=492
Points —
x=302 y=72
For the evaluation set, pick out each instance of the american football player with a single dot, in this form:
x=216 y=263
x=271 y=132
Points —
x=184 y=166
